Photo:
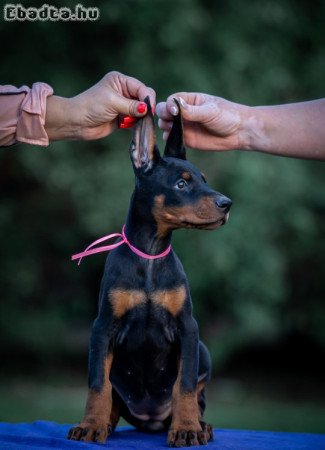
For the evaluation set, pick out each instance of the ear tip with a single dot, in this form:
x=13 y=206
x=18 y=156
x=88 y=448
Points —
x=177 y=104
x=147 y=102
x=174 y=145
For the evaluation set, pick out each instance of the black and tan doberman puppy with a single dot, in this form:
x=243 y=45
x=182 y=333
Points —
x=146 y=362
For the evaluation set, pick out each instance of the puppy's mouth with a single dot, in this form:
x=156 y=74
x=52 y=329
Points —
x=207 y=225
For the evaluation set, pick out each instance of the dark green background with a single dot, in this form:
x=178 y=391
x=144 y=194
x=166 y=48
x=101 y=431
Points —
x=257 y=284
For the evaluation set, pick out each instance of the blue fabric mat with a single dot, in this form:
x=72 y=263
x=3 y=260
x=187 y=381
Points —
x=43 y=435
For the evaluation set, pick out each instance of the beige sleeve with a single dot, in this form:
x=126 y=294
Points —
x=22 y=114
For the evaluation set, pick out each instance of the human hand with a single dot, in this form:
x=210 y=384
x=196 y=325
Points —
x=94 y=114
x=210 y=123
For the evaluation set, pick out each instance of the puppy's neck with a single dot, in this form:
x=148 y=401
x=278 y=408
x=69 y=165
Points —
x=141 y=228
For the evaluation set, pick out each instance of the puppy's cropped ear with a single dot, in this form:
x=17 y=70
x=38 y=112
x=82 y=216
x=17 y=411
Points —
x=174 y=145
x=143 y=150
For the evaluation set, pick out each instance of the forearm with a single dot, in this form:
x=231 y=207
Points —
x=296 y=130
x=60 y=121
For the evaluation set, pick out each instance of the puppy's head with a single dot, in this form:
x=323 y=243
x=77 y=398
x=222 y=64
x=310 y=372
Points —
x=174 y=189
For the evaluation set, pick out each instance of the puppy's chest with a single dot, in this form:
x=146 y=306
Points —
x=149 y=304
x=146 y=319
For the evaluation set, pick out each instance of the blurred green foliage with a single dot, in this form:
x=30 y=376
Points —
x=257 y=279
x=230 y=404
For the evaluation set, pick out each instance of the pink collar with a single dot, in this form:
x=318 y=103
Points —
x=90 y=250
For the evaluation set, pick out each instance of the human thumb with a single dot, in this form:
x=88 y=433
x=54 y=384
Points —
x=128 y=107
x=192 y=113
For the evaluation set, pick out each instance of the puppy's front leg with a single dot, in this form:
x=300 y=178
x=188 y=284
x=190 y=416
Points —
x=185 y=429
x=96 y=426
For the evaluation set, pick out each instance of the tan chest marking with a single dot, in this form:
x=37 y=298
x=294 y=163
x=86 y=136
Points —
x=124 y=300
x=172 y=300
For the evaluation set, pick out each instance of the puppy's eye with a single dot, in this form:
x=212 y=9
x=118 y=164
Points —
x=181 y=184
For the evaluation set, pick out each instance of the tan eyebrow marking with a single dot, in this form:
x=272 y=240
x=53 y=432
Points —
x=186 y=175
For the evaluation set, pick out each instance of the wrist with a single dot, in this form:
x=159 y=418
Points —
x=254 y=134
x=61 y=122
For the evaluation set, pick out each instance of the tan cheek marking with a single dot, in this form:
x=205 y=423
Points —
x=159 y=213
x=123 y=300
x=159 y=200
x=172 y=300
x=171 y=217
x=205 y=207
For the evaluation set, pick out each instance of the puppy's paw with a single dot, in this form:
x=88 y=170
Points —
x=206 y=434
x=94 y=432
x=189 y=438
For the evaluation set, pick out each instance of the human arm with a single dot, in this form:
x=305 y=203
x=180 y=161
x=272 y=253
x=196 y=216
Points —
x=296 y=129
x=36 y=116
x=213 y=123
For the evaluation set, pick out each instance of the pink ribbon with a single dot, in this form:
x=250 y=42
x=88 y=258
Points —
x=91 y=251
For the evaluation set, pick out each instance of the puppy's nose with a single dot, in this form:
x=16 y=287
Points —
x=223 y=203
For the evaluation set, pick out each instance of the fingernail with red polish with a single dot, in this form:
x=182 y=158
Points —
x=126 y=125
x=141 y=108
x=129 y=119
